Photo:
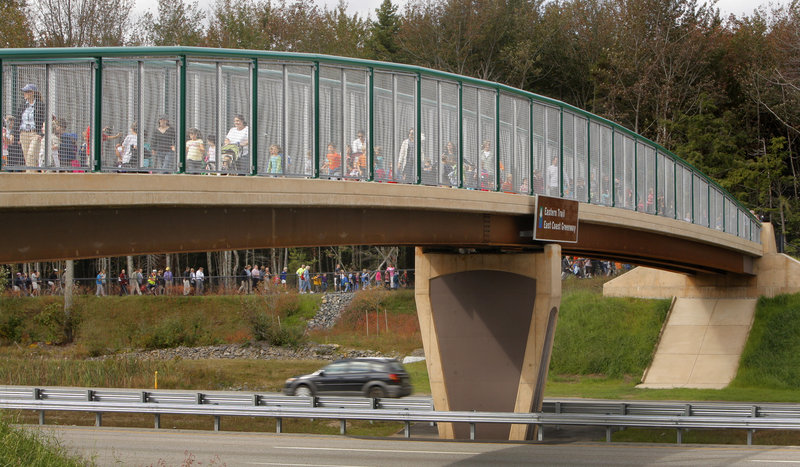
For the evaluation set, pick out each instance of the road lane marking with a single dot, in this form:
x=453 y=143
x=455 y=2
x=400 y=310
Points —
x=301 y=465
x=300 y=448
x=774 y=461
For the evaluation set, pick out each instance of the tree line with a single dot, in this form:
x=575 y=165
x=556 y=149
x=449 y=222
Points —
x=721 y=92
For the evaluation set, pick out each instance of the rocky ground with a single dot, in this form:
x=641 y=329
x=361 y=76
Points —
x=254 y=351
x=333 y=304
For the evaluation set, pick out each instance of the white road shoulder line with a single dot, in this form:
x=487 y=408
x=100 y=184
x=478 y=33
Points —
x=452 y=453
x=301 y=465
x=768 y=461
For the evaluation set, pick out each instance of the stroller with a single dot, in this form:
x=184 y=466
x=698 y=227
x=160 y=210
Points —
x=230 y=154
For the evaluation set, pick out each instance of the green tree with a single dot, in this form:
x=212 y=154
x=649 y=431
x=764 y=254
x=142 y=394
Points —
x=177 y=23
x=15 y=30
x=461 y=36
x=246 y=24
x=381 y=44
x=712 y=141
x=343 y=34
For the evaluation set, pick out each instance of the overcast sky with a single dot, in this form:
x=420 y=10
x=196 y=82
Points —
x=365 y=7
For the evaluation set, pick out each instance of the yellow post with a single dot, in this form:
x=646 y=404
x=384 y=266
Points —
x=156 y=385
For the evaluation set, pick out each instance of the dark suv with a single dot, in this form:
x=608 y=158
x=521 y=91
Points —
x=371 y=377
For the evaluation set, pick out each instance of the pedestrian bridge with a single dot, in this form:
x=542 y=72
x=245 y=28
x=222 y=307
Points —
x=119 y=151
x=288 y=121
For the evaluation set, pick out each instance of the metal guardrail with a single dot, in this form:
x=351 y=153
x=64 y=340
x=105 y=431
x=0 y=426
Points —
x=608 y=414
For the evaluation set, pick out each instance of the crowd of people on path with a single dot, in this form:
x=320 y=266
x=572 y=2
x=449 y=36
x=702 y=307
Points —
x=193 y=281
x=253 y=279
x=585 y=268
x=34 y=284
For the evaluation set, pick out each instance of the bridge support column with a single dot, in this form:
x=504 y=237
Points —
x=487 y=323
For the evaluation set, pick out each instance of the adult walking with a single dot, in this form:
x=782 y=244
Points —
x=240 y=136
x=187 y=278
x=199 y=277
x=164 y=144
x=406 y=159
x=123 y=283
x=100 y=282
x=139 y=282
x=29 y=129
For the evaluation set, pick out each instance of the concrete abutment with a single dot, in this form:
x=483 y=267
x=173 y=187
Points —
x=773 y=274
x=487 y=323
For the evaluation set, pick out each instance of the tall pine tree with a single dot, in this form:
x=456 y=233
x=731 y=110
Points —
x=381 y=44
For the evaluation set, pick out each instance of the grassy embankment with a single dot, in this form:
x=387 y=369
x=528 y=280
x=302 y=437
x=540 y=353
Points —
x=602 y=345
x=28 y=447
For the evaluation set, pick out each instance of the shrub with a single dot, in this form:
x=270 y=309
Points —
x=177 y=331
x=55 y=325
x=11 y=326
x=270 y=319
x=32 y=447
x=4 y=276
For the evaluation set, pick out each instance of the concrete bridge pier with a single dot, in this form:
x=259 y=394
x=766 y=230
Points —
x=487 y=323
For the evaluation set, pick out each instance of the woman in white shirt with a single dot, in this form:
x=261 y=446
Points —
x=240 y=136
x=128 y=147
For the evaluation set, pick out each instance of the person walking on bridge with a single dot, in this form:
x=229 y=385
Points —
x=406 y=159
x=552 y=178
x=30 y=120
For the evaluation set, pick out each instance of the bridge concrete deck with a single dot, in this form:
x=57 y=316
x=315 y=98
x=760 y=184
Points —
x=76 y=215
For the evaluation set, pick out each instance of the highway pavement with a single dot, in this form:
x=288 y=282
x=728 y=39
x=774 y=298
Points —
x=138 y=446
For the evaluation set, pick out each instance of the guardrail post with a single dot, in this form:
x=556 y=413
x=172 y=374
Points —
x=200 y=397
x=342 y=426
x=216 y=422
x=98 y=416
x=472 y=431
x=539 y=432
x=256 y=400
x=608 y=434
x=37 y=395
x=687 y=411
x=376 y=403
x=751 y=432
x=157 y=420
x=407 y=429
x=145 y=397
x=314 y=401
x=278 y=425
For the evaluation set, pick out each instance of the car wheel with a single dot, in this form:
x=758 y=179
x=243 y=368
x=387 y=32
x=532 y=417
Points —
x=303 y=391
x=376 y=392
